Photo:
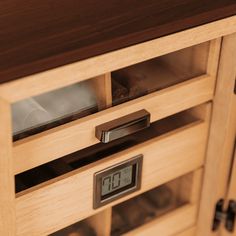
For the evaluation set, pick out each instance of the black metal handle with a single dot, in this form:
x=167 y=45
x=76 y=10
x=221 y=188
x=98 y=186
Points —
x=123 y=126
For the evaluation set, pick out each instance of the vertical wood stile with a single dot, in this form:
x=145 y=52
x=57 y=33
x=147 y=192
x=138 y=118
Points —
x=102 y=86
x=101 y=222
x=7 y=186
x=214 y=56
x=221 y=137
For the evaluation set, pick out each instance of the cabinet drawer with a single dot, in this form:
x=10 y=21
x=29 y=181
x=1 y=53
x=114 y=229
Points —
x=39 y=149
x=163 y=86
x=167 y=225
x=40 y=209
x=165 y=210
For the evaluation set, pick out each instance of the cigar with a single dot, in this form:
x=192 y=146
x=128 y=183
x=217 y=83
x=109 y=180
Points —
x=134 y=82
x=119 y=225
x=146 y=77
x=147 y=207
x=161 y=197
x=119 y=92
x=132 y=213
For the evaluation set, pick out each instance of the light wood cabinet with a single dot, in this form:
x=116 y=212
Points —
x=186 y=82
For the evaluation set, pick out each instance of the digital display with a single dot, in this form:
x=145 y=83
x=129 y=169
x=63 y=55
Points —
x=116 y=180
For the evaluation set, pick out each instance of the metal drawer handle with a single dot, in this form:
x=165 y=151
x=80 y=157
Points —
x=123 y=126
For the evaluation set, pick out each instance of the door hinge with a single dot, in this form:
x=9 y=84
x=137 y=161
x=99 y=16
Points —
x=228 y=216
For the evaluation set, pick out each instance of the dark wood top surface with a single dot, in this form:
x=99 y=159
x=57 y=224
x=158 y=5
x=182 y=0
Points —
x=39 y=35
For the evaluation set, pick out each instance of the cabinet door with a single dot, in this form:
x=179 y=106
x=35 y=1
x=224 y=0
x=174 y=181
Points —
x=221 y=138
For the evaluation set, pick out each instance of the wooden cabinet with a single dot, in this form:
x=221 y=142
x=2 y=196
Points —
x=185 y=81
x=222 y=135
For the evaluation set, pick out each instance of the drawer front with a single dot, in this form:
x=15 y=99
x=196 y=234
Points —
x=188 y=232
x=65 y=200
x=42 y=148
x=168 y=224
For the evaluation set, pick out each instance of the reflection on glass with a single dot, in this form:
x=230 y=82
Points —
x=142 y=209
x=53 y=108
x=28 y=113
x=159 y=73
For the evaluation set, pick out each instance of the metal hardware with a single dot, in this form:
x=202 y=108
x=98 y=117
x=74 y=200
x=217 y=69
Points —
x=123 y=126
x=228 y=216
x=219 y=215
x=100 y=199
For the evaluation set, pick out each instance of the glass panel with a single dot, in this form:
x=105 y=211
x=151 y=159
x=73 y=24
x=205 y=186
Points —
x=54 y=108
x=48 y=110
x=144 y=208
x=159 y=73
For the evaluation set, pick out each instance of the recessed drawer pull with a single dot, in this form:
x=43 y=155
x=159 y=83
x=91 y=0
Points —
x=123 y=126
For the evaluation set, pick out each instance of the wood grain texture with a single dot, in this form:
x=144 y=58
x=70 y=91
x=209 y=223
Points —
x=190 y=196
x=103 y=90
x=169 y=224
x=213 y=57
x=40 y=209
x=7 y=185
x=187 y=232
x=43 y=147
x=101 y=222
x=189 y=188
x=221 y=138
x=66 y=75
x=40 y=35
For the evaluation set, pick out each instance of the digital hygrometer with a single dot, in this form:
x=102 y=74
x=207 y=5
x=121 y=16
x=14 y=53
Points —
x=116 y=181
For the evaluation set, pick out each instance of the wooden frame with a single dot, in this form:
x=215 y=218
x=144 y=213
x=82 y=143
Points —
x=179 y=219
x=43 y=147
x=13 y=155
x=221 y=139
x=40 y=83
x=7 y=183
x=104 y=228
x=167 y=225
x=45 y=197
